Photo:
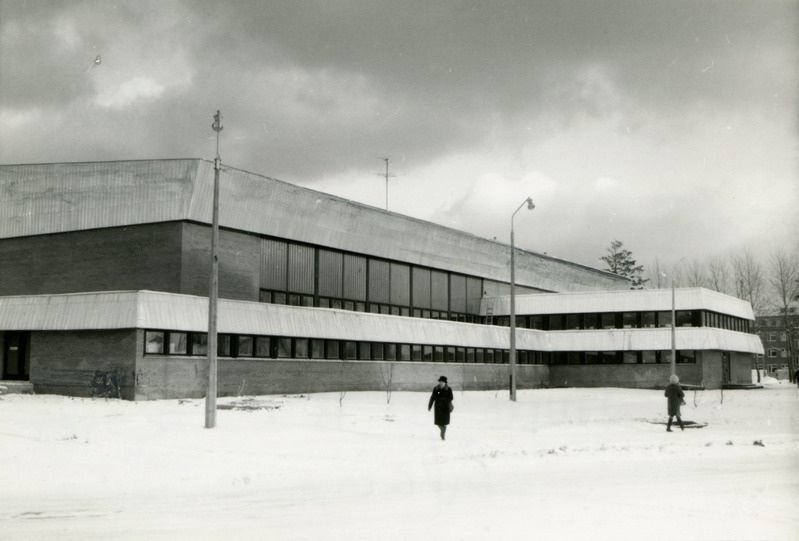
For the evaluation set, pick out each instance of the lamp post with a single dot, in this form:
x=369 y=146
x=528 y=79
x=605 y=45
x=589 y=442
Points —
x=210 y=393
x=512 y=360
x=674 y=321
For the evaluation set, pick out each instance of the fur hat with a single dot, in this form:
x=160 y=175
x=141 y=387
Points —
x=674 y=379
x=443 y=378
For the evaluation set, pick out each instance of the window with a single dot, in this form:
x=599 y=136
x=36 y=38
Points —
x=317 y=349
x=590 y=321
x=223 y=345
x=630 y=320
x=332 y=350
x=608 y=321
x=664 y=319
x=686 y=356
x=263 y=346
x=178 y=343
x=572 y=321
x=631 y=357
x=649 y=357
x=772 y=337
x=199 y=343
x=245 y=346
x=647 y=320
x=772 y=353
x=684 y=318
x=350 y=350
x=283 y=348
x=154 y=342
x=300 y=348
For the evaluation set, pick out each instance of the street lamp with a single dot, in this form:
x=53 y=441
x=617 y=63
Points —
x=530 y=206
x=674 y=321
x=210 y=392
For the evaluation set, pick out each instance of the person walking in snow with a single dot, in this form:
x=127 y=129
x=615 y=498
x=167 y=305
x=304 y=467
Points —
x=442 y=400
x=675 y=400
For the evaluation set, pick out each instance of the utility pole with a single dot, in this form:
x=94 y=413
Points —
x=210 y=393
x=386 y=175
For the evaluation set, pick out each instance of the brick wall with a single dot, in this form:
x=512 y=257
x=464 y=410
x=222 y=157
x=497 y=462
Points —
x=239 y=263
x=121 y=258
x=65 y=362
x=183 y=377
x=636 y=376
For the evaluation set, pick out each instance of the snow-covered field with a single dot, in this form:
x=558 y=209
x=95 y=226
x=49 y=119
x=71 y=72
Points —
x=557 y=464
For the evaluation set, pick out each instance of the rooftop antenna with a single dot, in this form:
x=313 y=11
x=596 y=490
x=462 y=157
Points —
x=386 y=175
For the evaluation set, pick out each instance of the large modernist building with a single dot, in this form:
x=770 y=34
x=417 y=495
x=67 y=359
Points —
x=104 y=281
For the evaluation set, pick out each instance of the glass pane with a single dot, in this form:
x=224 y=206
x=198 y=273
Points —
x=273 y=264
x=283 y=348
x=405 y=352
x=684 y=318
x=421 y=288
x=379 y=281
x=609 y=321
x=377 y=351
x=154 y=342
x=631 y=357
x=364 y=351
x=199 y=344
x=572 y=321
x=457 y=293
x=330 y=273
x=262 y=346
x=630 y=320
x=591 y=357
x=332 y=349
x=178 y=343
x=223 y=345
x=317 y=349
x=245 y=346
x=354 y=277
x=300 y=348
x=427 y=353
x=439 y=287
x=350 y=350
x=390 y=352
x=474 y=293
x=400 y=284
x=647 y=319
x=416 y=352
x=664 y=319
x=648 y=357
x=301 y=269
x=590 y=321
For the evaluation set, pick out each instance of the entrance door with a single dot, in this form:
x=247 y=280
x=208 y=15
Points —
x=16 y=364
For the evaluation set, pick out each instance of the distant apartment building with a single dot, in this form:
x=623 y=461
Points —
x=780 y=337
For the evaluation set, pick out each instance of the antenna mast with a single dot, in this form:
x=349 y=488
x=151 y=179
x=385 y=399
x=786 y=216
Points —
x=386 y=175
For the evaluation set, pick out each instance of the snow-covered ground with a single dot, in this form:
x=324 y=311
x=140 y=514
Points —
x=557 y=464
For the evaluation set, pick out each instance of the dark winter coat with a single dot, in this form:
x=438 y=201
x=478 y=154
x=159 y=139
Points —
x=441 y=398
x=675 y=395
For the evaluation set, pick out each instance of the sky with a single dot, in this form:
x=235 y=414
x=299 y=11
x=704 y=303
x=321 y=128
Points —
x=668 y=125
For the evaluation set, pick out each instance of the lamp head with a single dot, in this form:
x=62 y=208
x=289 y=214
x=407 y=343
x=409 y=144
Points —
x=530 y=204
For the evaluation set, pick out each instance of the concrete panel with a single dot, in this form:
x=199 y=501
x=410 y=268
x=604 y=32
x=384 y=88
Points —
x=636 y=376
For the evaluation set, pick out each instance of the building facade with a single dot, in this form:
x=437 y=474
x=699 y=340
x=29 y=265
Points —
x=105 y=276
x=780 y=337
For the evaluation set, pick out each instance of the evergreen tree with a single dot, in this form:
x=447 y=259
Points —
x=620 y=261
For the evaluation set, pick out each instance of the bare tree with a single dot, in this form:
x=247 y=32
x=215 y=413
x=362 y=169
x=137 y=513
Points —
x=718 y=275
x=783 y=279
x=749 y=280
x=387 y=374
x=657 y=275
x=694 y=275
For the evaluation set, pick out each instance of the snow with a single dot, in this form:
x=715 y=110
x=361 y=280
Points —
x=556 y=464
